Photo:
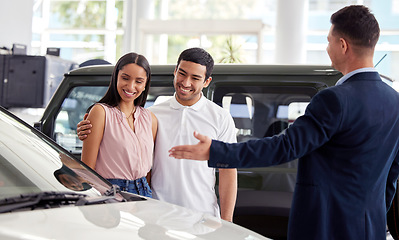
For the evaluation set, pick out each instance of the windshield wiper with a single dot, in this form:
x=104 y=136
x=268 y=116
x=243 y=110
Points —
x=113 y=190
x=127 y=197
x=45 y=200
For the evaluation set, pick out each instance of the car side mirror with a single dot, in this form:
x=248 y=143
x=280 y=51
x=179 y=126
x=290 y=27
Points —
x=38 y=125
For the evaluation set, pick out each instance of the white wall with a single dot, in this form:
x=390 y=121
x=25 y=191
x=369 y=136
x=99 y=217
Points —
x=16 y=23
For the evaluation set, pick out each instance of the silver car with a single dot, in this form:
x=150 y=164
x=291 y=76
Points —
x=46 y=193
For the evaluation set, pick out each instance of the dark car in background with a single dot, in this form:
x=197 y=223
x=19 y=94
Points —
x=262 y=99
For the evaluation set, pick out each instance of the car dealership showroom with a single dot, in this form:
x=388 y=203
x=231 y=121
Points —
x=199 y=119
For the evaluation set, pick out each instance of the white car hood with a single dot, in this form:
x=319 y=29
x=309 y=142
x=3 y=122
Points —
x=149 y=219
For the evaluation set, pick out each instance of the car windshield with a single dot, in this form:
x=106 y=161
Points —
x=32 y=163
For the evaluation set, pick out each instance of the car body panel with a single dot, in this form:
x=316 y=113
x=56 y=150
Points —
x=149 y=219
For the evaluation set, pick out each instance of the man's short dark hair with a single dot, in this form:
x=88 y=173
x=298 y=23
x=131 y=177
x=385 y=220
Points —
x=357 y=24
x=200 y=56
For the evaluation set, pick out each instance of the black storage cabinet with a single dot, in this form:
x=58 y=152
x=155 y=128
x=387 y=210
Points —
x=30 y=81
x=2 y=62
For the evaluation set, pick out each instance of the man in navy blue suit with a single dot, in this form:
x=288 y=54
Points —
x=347 y=143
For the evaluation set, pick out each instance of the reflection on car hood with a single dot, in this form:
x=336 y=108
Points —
x=149 y=219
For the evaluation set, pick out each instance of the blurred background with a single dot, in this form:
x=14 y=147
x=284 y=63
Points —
x=233 y=31
x=250 y=31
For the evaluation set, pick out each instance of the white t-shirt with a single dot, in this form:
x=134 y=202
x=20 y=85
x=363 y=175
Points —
x=184 y=182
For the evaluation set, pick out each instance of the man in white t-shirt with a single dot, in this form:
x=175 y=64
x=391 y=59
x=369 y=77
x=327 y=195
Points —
x=190 y=183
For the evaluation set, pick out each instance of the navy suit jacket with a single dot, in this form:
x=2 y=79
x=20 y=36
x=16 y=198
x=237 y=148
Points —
x=347 y=144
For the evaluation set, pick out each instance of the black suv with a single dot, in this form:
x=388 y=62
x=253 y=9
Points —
x=262 y=99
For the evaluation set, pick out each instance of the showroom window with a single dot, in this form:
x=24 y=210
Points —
x=105 y=29
x=82 y=29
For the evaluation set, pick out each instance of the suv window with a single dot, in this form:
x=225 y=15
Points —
x=71 y=113
x=264 y=111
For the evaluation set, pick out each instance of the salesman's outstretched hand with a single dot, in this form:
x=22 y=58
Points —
x=200 y=151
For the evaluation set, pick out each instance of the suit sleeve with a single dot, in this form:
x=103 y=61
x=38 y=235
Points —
x=320 y=122
x=391 y=182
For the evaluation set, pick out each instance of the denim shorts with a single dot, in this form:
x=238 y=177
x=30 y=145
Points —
x=138 y=186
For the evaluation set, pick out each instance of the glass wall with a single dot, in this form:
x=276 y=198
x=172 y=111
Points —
x=82 y=29
x=87 y=29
